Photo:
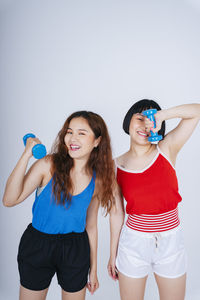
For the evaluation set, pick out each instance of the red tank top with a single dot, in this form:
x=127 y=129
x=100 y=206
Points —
x=153 y=190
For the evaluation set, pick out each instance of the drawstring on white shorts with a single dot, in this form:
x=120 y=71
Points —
x=157 y=236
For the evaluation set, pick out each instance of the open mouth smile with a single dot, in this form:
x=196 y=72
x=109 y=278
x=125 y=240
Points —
x=74 y=147
x=141 y=133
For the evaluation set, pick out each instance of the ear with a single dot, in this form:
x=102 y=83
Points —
x=97 y=141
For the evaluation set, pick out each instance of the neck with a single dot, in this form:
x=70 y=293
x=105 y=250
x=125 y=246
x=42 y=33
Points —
x=141 y=150
x=79 y=166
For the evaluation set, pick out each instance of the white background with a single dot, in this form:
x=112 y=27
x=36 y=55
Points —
x=60 y=56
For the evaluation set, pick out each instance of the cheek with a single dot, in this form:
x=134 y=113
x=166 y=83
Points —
x=134 y=125
x=90 y=144
x=66 y=139
x=131 y=127
x=132 y=122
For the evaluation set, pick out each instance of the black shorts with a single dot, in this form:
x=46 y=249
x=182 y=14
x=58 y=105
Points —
x=41 y=255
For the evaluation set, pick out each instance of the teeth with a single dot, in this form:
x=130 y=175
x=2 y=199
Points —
x=141 y=133
x=74 y=147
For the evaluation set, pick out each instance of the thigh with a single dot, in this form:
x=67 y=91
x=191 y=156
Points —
x=134 y=254
x=74 y=263
x=131 y=288
x=170 y=258
x=80 y=295
x=34 y=262
x=26 y=294
x=171 y=288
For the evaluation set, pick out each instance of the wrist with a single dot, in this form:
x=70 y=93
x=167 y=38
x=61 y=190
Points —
x=163 y=114
x=93 y=270
x=26 y=155
x=113 y=251
x=113 y=255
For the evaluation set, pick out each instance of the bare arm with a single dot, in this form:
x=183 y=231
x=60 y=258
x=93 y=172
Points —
x=116 y=222
x=91 y=227
x=20 y=185
x=175 y=139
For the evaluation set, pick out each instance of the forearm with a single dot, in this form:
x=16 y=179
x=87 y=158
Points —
x=93 y=240
x=185 y=111
x=116 y=223
x=14 y=185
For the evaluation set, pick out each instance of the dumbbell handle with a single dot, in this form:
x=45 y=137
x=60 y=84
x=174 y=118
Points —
x=154 y=135
x=150 y=115
x=39 y=150
x=28 y=135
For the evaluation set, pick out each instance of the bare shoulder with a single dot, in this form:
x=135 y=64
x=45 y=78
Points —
x=44 y=163
x=165 y=149
x=45 y=167
x=121 y=160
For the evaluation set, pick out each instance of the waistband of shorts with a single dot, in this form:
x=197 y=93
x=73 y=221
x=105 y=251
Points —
x=62 y=236
x=152 y=234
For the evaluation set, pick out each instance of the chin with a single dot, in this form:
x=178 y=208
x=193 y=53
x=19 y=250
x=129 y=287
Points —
x=73 y=155
x=140 y=141
x=79 y=156
x=143 y=143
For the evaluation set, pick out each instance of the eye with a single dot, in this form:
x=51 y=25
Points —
x=69 y=132
x=81 y=133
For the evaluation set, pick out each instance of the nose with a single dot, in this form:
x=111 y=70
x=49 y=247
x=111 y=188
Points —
x=143 y=125
x=73 y=137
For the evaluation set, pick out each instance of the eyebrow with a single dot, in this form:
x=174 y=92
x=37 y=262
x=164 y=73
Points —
x=78 y=129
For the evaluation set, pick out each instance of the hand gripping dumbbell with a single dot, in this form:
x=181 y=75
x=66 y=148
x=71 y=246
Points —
x=39 y=150
x=154 y=137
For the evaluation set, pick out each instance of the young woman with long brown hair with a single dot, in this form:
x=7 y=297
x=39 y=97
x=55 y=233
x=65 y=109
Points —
x=70 y=184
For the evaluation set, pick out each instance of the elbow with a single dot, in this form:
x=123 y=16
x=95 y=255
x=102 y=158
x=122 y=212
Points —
x=7 y=203
x=122 y=218
x=117 y=218
x=91 y=229
x=197 y=111
x=119 y=214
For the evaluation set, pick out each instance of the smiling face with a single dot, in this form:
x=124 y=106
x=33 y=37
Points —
x=137 y=129
x=80 y=139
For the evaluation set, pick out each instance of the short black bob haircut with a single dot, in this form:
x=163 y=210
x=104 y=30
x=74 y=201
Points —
x=139 y=107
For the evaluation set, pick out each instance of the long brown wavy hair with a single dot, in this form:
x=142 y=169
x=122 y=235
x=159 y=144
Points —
x=100 y=161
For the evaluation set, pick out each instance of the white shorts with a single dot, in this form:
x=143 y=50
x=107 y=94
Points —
x=140 y=253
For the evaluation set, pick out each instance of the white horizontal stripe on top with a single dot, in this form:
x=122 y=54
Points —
x=154 y=223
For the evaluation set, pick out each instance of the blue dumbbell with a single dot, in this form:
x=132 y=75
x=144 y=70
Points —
x=154 y=137
x=39 y=150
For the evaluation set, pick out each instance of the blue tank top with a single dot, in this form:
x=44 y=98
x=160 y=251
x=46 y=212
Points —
x=52 y=218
